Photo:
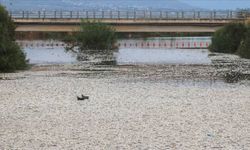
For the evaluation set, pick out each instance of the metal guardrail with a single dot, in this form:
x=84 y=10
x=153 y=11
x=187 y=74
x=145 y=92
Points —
x=162 y=15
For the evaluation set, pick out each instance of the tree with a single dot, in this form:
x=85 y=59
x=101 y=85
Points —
x=244 y=49
x=93 y=40
x=11 y=56
x=228 y=38
x=93 y=35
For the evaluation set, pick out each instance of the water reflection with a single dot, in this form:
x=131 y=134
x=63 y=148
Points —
x=163 y=56
x=163 y=50
x=123 y=56
x=49 y=56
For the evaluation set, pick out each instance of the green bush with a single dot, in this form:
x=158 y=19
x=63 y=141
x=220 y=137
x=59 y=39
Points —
x=12 y=59
x=228 y=38
x=93 y=36
x=11 y=56
x=244 y=49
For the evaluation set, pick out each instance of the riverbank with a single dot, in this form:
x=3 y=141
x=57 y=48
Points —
x=130 y=107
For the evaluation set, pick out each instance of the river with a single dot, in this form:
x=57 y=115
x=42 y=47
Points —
x=180 y=50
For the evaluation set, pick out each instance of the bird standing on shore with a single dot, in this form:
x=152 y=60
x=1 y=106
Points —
x=82 y=98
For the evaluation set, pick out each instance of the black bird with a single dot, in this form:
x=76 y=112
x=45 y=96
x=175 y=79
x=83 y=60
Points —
x=82 y=98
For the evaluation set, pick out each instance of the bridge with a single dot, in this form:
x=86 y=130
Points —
x=126 y=21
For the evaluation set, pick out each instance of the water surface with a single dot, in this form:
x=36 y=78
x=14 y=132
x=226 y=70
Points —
x=163 y=56
x=49 y=56
x=124 y=56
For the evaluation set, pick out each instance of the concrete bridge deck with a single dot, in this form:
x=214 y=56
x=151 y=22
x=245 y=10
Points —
x=125 y=21
x=122 y=25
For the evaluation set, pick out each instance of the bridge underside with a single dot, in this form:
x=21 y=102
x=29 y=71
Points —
x=119 y=28
x=72 y=25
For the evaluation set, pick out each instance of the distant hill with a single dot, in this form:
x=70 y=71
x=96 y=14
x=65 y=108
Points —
x=95 y=4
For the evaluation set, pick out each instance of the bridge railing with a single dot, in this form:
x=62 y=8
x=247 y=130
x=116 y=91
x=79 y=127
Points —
x=161 y=15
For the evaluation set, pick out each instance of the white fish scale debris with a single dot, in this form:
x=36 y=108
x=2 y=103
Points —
x=40 y=111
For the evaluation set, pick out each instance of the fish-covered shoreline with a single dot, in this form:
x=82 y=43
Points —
x=129 y=107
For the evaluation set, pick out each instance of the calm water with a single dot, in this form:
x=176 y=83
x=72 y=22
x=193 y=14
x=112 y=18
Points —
x=168 y=50
x=124 y=56
x=49 y=56
x=163 y=56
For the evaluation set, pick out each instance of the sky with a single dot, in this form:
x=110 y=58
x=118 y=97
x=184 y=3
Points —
x=218 y=4
x=141 y=4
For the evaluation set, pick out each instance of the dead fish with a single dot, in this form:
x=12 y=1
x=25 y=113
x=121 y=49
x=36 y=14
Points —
x=82 y=98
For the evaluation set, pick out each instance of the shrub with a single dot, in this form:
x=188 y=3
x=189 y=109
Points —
x=93 y=36
x=228 y=38
x=11 y=56
x=244 y=49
